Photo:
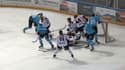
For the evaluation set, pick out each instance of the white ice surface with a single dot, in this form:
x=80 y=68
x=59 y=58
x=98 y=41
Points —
x=17 y=52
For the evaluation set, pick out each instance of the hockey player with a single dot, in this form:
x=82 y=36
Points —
x=43 y=32
x=33 y=19
x=72 y=28
x=95 y=20
x=62 y=42
x=89 y=33
x=81 y=20
x=46 y=23
x=98 y=21
x=75 y=18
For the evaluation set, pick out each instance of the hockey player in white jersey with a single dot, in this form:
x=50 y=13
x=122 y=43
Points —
x=46 y=23
x=80 y=21
x=72 y=28
x=62 y=42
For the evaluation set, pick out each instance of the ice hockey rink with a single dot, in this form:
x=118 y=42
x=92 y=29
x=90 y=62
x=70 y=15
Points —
x=17 y=52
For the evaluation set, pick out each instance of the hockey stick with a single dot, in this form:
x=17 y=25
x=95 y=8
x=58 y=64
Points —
x=50 y=31
x=35 y=40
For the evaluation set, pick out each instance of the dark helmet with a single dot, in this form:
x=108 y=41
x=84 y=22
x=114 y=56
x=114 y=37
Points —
x=93 y=14
x=75 y=16
x=60 y=32
x=40 y=14
x=69 y=19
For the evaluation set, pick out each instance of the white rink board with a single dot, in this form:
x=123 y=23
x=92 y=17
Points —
x=17 y=2
x=53 y=4
x=105 y=11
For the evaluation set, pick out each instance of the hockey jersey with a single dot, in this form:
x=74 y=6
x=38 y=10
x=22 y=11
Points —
x=45 y=22
x=62 y=40
x=35 y=19
x=89 y=28
x=98 y=18
x=42 y=30
x=72 y=27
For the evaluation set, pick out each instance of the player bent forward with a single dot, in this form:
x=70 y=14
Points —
x=62 y=42
x=33 y=19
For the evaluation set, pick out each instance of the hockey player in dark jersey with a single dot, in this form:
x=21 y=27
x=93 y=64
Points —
x=90 y=32
x=33 y=19
x=95 y=19
x=43 y=32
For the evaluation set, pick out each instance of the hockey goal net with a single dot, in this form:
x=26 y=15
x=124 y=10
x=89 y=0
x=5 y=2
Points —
x=103 y=30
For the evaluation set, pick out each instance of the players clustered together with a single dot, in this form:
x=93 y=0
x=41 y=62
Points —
x=80 y=26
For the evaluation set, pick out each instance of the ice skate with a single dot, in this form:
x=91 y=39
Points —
x=92 y=49
x=54 y=56
x=72 y=55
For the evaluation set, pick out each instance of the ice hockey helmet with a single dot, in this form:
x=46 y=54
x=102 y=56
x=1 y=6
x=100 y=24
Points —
x=40 y=14
x=60 y=32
